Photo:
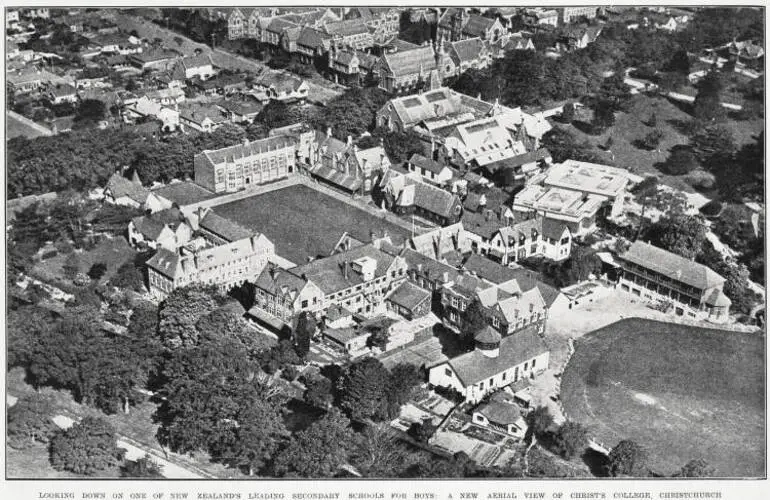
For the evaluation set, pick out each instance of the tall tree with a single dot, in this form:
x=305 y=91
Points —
x=182 y=309
x=628 y=458
x=379 y=453
x=473 y=320
x=364 y=390
x=571 y=439
x=319 y=391
x=303 y=332
x=86 y=448
x=29 y=421
x=678 y=233
x=708 y=101
x=696 y=468
x=604 y=115
x=319 y=450
x=404 y=379
x=539 y=421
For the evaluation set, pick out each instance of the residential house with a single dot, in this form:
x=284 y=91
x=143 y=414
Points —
x=31 y=79
x=167 y=97
x=312 y=44
x=153 y=59
x=274 y=31
x=746 y=51
x=240 y=110
x=221 y=84
x=244 y=165
x=430 y=170
x=455 y=24
x=164 y=229
x=182 y=194
x=409 y=300
x=408 y=194
x=531 y=238
x=442 y=242
x=384 y=21
x=205 y=262
x=494 y=363
x=201 y=117
x=579 y=38
x=116 y=43
x=350 y=339
x=502 y=413
x=200 y=66
x=145 y=107
x=282 y=87
x=63 y=93
x=130 y=193
x=351 y=67
x=657 y=275
x=517 y=170
x=518 y=41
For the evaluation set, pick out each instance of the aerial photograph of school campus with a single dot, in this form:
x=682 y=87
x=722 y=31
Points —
x=385 y=242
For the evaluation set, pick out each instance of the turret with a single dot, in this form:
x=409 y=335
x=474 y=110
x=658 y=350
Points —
x=488 y=342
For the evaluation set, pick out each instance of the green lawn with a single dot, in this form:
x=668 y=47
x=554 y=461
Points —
x=16 y=128
x=33 y=463
x=303 y=222
x=683 y=392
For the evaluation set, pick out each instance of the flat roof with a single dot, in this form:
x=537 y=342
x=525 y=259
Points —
x=303 y=222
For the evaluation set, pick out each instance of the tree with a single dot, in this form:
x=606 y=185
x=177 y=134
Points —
x=679 y=63
x=379 y=338
x=422 y=431
x=182 y=309
x=85 y=448
x=473 y=321
x=696 y=468
x=319 y=392
x=303 y=332
x=604 y=116
x=364 y=390
x=652 y=139
x=628 y=458
x=404 y=378
x=252 y=438
x=680 y=161
x=714 y=147
x=143 y=467
x=71 y=265
x=563 y=145
x=645 y=192
x=378 y=453
x=97 y=270
x=678 y=233
x=736 y=285
x=568 y=113
x=29 y=421
x=570 y=439
x=319 y=450
x=400 y=146
x=128 y=276
x=351 y=113
x=90 y=111
x=708 y=106
x=539 y=421
x=279 y=114
x=652 y=121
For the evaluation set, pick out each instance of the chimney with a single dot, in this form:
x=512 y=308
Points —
x=273 y=272
x=419 y=267
x=328 y=131
x=350 y=140
x=345 y=269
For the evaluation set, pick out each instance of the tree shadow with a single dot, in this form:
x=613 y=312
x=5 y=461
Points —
x=584 y=127
x=597 y=462
x=685 y=107
x=684 y=127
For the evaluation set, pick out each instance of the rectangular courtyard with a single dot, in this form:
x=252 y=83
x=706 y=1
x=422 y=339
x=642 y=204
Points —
x=303 y=222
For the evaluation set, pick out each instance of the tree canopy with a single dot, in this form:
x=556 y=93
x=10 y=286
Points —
x=86 y=448
x=628 y=458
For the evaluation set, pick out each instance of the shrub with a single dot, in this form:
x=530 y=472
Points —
x=49 y=254
x=81 y=279
x=289 y=372
x=97 y=270
x=700 y=179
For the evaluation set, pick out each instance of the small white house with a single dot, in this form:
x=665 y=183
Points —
x=503 y=414
x=429 y=170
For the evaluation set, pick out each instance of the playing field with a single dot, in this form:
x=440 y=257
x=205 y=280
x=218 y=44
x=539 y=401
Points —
x=682 y=392
x=303 y=222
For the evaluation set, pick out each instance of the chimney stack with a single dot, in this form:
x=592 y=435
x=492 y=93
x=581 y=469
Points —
x=350 y=140
x=345 y=269
x=328 y=131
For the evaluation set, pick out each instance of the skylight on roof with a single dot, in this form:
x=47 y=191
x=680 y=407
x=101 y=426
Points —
x=412 y=102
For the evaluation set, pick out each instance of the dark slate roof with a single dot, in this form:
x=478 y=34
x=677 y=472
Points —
x=477 y=25
x=500 y=413
x=431 y=268
x=196 y=61
x=409 y=295
x=165 y=262
x=552 y=228
x=473 y=367
x=426 y=163
x=430 y=198
x=488 y=335
x=249 y=149
x=481 y=224
x=242 y=107
x=336 y=177
x=410 y=62
x=184 y=193
x=120 y=186
x=346 y=28
x=224 y=228
x=150 y=226
x=279 y=281
x=277 y=25
x=466 y=50
x=336 y=312
x=313 y=38
x=343 y=335
x=672 y=265
x=498 y=273
x=329 y=273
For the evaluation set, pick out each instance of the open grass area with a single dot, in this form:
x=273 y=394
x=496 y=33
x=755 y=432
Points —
x=33 y=463
x=303 y=222
x=632 y=125
x=16 y=128
x=112 y=252
x=682 y=392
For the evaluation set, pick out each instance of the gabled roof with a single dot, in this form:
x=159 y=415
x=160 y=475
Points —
x=64 y=89
x=409 y=295
x=277 y=25
x=488 y=335
x=478 y=25
x=119 y=186
x=184 y=193
x=410 y=62
x=500 y=413
x=314 y=39
x=346 y=28
x=150 y=226
x=165 y=262
x=474 y=367
x=224 y=228
x=279 y=281
x=672 y=265
x=463 y=51
x=420 y=161
x=197 y=113
x=430 y=198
